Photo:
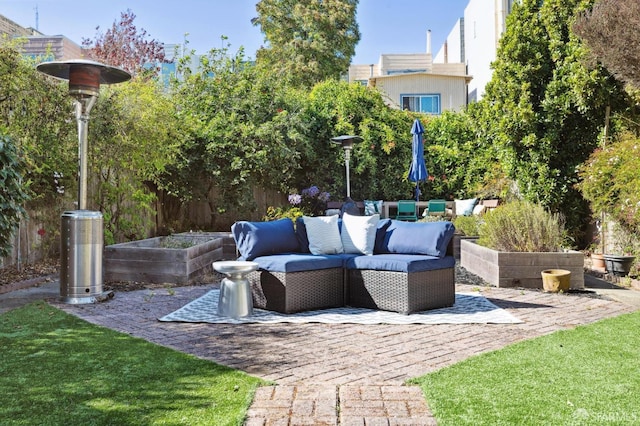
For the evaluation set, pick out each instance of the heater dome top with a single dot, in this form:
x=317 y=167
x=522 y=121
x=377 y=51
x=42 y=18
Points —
x=63 y=69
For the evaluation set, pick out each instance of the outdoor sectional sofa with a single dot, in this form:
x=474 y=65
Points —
x=360 y=261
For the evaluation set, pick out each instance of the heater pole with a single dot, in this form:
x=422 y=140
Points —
x=83 y=106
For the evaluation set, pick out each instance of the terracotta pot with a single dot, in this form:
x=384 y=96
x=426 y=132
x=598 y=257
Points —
x=597 y=261
x=555 y=280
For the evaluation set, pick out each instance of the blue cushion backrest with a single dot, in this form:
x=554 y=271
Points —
x=301 y=234
x=303 y=238
x=383 y=224
x=255 y=239
x=430 y=238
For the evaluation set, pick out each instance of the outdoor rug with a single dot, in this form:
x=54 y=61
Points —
x=468 y=309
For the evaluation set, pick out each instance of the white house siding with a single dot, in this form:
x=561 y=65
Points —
x=450 y=69
x=452 y=89
x=389 y=63
x=362 y=73
x=485 y=21
x=453 y=49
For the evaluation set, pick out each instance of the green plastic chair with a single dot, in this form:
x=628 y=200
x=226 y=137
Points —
x=436 y=207
x=407 y=210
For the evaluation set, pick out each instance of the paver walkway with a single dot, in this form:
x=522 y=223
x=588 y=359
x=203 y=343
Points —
x=342 y=374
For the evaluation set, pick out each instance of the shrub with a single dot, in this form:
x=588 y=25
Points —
x=610 y=180
x=522 y=226
x=275 y=213
x=12 y=194
x=467 y=225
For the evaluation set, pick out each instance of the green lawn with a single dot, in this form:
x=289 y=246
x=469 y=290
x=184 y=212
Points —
x=585 y=376
x=56 y=369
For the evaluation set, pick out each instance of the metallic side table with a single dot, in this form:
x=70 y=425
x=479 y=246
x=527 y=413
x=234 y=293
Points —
x=235 y=292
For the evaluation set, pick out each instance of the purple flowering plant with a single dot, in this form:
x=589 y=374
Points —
x=311 y=201
x=308 y=202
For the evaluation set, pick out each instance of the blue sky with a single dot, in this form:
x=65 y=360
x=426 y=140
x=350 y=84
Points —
x=387 y=26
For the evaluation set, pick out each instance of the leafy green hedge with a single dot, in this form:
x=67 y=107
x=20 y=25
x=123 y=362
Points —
x=12 y=194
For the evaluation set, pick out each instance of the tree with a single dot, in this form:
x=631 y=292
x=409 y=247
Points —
x=611 y=183
x=544 y=108
x=237 y=121
x=133 y=137
x=124 y=46
x=610 y=30
x=309 y=40
x=379 y=165
x=35 y=112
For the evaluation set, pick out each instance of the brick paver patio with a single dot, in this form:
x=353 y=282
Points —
x=342 y=374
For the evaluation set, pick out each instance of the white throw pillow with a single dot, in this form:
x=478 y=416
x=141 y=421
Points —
x=323 y=234
x=359 y=233
x=478 y=209
x=465 y=207
x=332 y=212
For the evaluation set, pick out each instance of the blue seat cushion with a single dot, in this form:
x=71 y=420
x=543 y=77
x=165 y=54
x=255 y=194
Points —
x=299 y=262
x=401 y=262
x=255 y=239
x=428 y=238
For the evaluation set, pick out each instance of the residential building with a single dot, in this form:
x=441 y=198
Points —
x=52 y=48
x=453 y=49
x=7 y=26
x=474 y=41
x=414 y=82
x=55 y=47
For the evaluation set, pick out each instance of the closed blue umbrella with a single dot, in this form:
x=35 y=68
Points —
x=418 y=169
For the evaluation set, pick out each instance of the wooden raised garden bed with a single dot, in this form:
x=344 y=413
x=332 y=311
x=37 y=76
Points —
x=176 y=259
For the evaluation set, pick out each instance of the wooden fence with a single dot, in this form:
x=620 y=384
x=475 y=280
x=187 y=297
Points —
x=30 y=244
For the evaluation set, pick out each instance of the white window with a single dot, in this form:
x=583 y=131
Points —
x=429 y=104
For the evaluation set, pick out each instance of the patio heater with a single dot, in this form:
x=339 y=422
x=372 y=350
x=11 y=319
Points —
x=347 y=142
x=81 y=233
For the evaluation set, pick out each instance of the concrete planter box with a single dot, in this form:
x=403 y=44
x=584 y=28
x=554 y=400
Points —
x=180 y=263
x=508 y=269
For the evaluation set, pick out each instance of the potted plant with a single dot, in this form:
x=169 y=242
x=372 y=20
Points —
x=597 y=260
x=620 y=262
x=517 y=241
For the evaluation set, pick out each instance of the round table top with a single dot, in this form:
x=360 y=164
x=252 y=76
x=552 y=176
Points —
x=235 y=266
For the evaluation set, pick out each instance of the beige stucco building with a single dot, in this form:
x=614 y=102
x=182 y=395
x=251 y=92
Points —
x=413 y=82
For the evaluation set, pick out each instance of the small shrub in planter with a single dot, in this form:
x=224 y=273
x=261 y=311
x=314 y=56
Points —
x=522 y=226
x=467 y=225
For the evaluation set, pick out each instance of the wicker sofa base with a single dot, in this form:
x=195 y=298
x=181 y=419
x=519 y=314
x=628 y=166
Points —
x=400 y=291
x=289 y=292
